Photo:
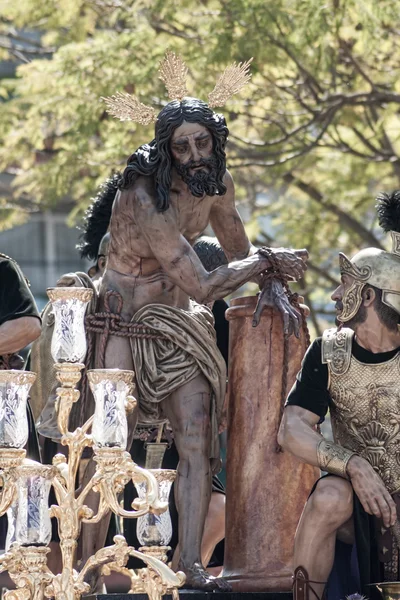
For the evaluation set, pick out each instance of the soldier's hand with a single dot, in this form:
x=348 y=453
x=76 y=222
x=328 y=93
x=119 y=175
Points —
x=273 y=294
x=291 y=262
x=371 y=490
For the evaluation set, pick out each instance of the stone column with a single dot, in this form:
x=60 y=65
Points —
x=266 y=490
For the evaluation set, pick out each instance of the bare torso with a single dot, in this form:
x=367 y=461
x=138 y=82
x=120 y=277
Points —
x=132 y=268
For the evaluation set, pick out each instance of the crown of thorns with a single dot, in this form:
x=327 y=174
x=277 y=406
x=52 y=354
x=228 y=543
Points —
x=173 y=72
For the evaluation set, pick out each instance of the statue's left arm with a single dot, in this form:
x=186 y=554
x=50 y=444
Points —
x=230 y=232
x=228 y=225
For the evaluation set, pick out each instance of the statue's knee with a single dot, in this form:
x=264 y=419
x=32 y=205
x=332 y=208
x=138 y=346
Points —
x=332 y=501
x=193 y=436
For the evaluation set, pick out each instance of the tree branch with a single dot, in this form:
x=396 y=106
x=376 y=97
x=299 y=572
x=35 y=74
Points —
x=346 y=220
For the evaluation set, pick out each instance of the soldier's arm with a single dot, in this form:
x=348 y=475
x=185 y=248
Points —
x=298 y=435
x=16 y=334
x=19 y=318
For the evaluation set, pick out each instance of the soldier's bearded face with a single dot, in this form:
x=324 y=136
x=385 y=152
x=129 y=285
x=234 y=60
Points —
x=192 y=152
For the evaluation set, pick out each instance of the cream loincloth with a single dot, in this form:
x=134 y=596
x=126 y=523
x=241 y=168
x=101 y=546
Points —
x=188 y=348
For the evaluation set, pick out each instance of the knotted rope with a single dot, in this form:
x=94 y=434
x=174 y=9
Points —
x=108 y=323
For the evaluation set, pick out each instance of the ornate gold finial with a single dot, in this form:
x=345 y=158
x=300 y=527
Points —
x=126 y=107
x=173 y=73
x=229 y=83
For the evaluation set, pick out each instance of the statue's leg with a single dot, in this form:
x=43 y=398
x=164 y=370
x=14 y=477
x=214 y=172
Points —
x=329 y=508
x=188 y=411
x=93 y=536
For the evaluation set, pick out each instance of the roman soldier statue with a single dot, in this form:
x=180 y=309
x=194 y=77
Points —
x=348 y=534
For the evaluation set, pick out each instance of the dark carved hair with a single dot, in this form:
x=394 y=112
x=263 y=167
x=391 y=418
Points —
x=97 y=218
x=155 y=158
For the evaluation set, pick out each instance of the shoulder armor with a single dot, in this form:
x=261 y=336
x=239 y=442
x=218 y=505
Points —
x=336 y=349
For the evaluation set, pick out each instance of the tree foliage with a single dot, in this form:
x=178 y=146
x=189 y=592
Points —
x=315 y=135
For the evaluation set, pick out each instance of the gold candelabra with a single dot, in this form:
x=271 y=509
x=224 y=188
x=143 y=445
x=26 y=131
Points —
x=26 y=562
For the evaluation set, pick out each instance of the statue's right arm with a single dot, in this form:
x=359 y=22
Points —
x=180 y=262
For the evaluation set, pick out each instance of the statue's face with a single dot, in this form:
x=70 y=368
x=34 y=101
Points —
x=194 y=159
x=190 y=144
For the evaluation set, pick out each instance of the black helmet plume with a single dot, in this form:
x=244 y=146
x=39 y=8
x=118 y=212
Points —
x=97 y=218
x=388 y=209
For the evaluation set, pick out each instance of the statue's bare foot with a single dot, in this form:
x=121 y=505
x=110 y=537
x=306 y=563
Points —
x=197 y=578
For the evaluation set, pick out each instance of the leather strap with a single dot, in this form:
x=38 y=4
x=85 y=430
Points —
x=302 y=588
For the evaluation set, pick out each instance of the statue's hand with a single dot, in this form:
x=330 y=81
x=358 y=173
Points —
x=273 y=294
x=291 y=263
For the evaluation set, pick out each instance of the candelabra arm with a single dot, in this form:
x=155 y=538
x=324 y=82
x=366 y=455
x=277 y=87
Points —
x=155 y=581
x=89 y=517
x=111 y=499
x=10 y=460
x=8 y=489
x=155 y=505
x=169 y=577
x=68 y=374
x=66 y=397
x=88 y=487
x=114 y=469
x=76 y=442
x=59 y=490
x=118 y=553
x=88 y=424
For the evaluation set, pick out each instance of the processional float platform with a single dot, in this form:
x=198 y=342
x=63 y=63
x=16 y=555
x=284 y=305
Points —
x=197 y=595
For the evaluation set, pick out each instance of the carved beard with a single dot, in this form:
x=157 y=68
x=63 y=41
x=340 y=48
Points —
x=201 y=183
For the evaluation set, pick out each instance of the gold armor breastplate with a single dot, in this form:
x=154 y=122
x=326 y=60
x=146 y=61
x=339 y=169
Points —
x=365 y=408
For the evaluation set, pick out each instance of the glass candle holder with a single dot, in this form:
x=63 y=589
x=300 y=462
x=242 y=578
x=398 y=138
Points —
x=28 y=517
x=110 y=388
x=68 y=343
x=156 y=530
x=14 y=390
